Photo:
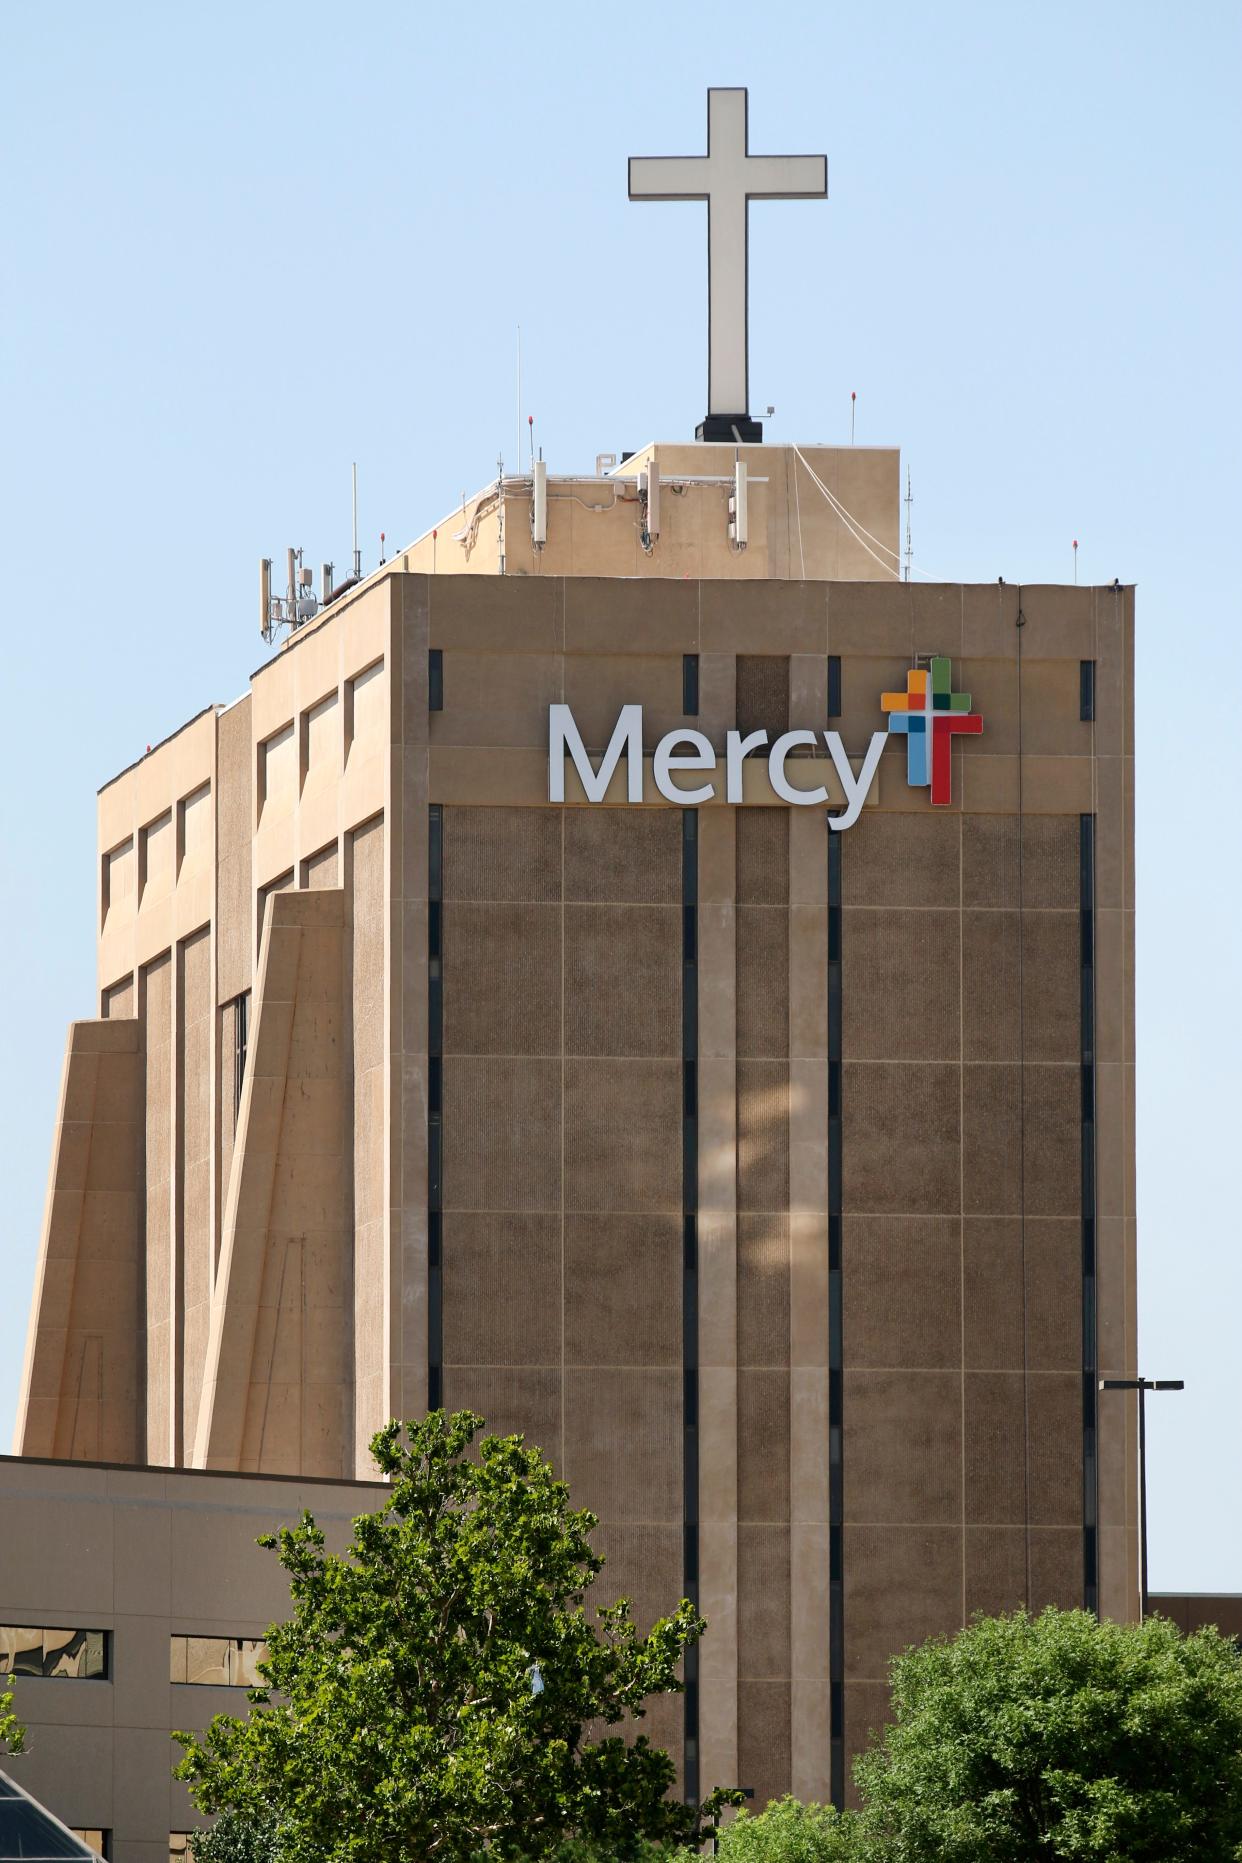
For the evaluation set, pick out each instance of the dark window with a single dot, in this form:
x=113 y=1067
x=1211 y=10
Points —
x=836 y=1478
x=1090 y=1471
x=435 y=1105
x=435 y=680
x=834 y=685
x=690 y=684
x=690 y=1264
x=34 y=1650
x=241 y=1033
x=1086 y=690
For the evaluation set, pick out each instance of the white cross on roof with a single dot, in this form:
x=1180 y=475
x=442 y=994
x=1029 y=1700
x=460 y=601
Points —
x=728 y=178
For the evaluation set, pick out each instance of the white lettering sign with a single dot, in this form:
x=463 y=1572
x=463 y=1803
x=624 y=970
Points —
x=666 y=759
x=563 y=735
x=690 y=750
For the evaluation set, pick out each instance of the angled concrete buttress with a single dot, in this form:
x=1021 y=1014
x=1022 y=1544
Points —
x=82 y=1386
x=278 y=1384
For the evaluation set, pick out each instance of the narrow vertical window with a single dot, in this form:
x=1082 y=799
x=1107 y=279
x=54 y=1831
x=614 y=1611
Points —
x=834 y=685
x=241 y=1035
x=435 y=1102
x=1090 y=1466
x=690 y=684
x=1086 y=690
x=435 y=680
x=836 y=1482
x=690 y=1267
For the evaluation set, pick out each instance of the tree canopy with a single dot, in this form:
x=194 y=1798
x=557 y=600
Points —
x=1057 y=1736
x=787 y=1831
x=441 y=1688
x=12 y=1733
x=236 y=1837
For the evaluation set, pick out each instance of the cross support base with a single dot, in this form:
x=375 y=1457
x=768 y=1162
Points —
x=721 y=426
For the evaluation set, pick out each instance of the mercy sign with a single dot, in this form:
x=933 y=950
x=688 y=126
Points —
x=929 y=715
x=690 y=751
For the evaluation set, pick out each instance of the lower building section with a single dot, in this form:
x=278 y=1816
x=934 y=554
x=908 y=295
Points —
x=132 y=1602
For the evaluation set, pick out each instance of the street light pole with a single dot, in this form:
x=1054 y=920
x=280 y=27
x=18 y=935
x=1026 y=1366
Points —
x=1142 y=1386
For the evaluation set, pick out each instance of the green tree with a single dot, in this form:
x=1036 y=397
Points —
x=1060 y=1737
x=12 y=1733
x=236 y=1837
x=441 y=1688
x=579 y=1850
x=790 y=1832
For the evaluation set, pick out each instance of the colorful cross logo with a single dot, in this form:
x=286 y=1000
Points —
x=929 y=713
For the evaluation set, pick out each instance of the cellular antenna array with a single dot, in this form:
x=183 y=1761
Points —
x=299 y=603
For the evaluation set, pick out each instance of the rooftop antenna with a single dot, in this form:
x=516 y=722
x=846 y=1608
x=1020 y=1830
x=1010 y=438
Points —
x=853 y=399
x=519 y=397
x=298 y=604
x=1075 y=562
x=500 y=511
x=357 y=552
x=530 y=427
x=908 y=501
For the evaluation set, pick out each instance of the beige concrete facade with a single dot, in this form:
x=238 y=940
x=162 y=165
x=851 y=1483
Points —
x=798 y=1308
x=144 y=1556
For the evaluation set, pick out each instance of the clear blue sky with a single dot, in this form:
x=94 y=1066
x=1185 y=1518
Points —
x=245 y=245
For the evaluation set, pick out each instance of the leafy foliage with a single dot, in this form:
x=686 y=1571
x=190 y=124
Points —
x=580 y=1850
x=441 y=1688
x=1060 y=1737
x=236 y=1837
x=790 y=1832
x=12 y=1733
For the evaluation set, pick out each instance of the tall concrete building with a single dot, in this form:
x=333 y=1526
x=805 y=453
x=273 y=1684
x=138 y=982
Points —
x=636 y=966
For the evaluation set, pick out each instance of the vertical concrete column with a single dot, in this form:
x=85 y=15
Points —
x=176 y=1199
x=156 y=1015
x=233 y=827
x=214 y=1057
x=405 y=1161
x=717 y=1299
x=808 y=696
x=1113 y=766
x=808 y=1302
x=196 y=1019
x=717 y=696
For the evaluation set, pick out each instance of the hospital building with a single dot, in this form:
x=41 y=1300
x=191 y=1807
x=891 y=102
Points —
x=766 y=1156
